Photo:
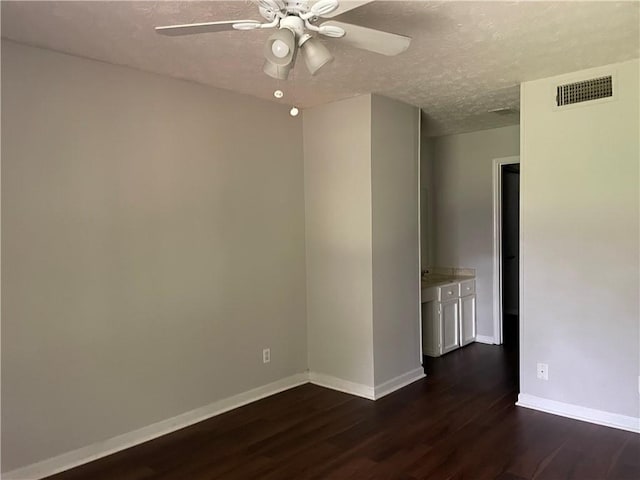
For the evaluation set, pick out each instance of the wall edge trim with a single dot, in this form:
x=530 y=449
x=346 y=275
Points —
x=399 y=382
x=486 y=339
x=577 y=412
x=345 y=386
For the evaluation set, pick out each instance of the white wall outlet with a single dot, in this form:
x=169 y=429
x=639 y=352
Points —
x=543 y=371
x=266 y=355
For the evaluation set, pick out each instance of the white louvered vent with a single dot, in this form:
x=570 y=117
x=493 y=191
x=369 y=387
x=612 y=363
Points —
x=584 y=91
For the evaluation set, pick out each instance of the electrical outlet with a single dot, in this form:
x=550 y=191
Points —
x=266 y=355
x=543 y=371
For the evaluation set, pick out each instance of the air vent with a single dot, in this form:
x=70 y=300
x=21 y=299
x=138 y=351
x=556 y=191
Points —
x=584 y=91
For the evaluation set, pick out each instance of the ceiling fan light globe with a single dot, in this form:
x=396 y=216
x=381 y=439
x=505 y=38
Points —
x=315 y=55
x=279 y=49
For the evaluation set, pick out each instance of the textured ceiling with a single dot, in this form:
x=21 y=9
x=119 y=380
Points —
x=466 y=58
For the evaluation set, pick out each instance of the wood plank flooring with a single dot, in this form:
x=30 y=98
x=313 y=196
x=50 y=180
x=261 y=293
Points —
x=458 y=423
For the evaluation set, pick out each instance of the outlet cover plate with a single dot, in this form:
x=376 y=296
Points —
x=543 y=371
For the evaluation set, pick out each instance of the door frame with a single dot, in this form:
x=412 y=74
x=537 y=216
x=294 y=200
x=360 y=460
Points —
x=497 y=244
x=419 y=219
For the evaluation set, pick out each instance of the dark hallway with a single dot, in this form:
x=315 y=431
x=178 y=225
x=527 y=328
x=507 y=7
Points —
x=510 y=260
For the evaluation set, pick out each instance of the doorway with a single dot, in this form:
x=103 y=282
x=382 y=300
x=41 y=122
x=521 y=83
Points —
x=506 y=252
x=510 y=255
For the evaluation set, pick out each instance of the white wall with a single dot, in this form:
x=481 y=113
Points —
x=152 y=246
x=427 y=234
x=580 y=244
x=337 y=176
x=461 y=226
x=361 y=193
x=396 y=262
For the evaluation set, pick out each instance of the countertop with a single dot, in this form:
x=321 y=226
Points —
x=436 y=280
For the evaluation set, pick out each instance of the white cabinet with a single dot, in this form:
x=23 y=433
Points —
x=448 y=317
x=467 y=320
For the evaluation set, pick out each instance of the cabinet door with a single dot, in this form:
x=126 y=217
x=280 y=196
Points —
x=467 y=320
x=431 y=329
x=450 y=321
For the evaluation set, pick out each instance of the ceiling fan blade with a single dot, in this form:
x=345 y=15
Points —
x=208 y=27
x=377 y=41
x=345 y=6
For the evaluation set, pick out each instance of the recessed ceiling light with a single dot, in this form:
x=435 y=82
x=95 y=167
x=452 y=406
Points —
x=294 y=111
x=278 y=94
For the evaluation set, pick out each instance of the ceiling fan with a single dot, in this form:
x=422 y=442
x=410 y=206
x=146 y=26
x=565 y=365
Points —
x=295 y=21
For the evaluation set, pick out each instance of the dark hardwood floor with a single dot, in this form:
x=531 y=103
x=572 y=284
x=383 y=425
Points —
x=459 y=423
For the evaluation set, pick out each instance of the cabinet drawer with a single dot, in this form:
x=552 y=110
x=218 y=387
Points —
x=468 y=287
x=447 y=292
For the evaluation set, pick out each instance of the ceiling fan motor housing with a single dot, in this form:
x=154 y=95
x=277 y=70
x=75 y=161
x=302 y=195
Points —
x=293 y=23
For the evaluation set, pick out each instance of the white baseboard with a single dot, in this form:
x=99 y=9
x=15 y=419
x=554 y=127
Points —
x=335 y=383
x=398 y=382
x=365 y=391
x=98 y=450
x=485 y=339
x=599 y=417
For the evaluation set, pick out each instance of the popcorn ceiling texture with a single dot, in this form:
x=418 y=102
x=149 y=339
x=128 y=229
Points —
x=466 y=58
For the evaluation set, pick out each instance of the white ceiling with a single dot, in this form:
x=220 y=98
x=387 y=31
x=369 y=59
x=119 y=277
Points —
x=466 y=58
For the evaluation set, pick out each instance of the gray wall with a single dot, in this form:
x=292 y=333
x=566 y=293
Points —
x=153 y=245
x=427 y=200
x=461 y=227
x=579 y=244
x=361 y=190
x=396 y=272
x=337 y=174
